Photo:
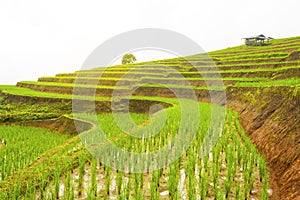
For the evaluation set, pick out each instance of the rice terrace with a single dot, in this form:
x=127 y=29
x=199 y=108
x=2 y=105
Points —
x=247 y=147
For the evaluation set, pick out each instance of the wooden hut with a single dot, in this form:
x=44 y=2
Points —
x=257 y=40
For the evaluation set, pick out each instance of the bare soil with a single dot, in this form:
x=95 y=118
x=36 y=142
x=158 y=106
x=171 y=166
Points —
x=2 y=146
x=273 y=123
x=61 y=125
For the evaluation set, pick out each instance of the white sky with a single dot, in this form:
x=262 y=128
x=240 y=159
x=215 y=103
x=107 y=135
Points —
x=39 y=38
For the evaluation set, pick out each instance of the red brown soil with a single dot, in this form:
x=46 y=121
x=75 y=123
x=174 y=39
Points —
x=293 y=56
x=273 y=123
x=61 y=125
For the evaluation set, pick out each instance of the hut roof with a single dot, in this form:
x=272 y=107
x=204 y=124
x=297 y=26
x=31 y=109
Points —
x=258 y=37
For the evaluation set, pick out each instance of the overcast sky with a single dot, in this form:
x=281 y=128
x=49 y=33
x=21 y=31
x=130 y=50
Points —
x=40 y=38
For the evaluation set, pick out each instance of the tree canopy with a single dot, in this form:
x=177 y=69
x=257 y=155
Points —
x=128 y=58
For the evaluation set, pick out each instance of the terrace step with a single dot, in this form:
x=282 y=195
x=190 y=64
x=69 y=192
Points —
x=87 y=81
x=70 y=90
x=109 y=75
x=250 y=73
x=199 y=62
x=165 y=90
x=248 y=66
x=290 y=43
x=136 y=105
x=253 y=50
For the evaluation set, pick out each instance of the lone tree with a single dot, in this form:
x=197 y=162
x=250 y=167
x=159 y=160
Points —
x=128 y=58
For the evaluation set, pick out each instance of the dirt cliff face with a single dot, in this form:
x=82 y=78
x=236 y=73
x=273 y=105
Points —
x=271 y=117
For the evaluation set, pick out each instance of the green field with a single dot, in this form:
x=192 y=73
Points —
x=23 y=146
x=206 y=146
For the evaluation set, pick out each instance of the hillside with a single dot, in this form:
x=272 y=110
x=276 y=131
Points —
x=262 y=84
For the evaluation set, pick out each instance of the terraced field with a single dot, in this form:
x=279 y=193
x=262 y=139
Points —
x=238 y=110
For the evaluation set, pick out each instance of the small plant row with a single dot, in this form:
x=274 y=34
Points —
x=23 y=145
x=221 y=162
x=273 y=49
x=276 y=44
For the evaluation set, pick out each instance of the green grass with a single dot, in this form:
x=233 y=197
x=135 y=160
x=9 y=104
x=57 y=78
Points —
x=23 y=146
x=140 y=67
x=120 y=87
x=18 y=91
x=234 y=148
x=258 y=64
x=242 y=70
x=88 y=78
x=209 y=79
x=277 y=43
x=72 y=85
x=238 y=60
x=112 y=72
x=17 y=112
x=257 y=50
x=254 y=56
x=30 y=179
x=182 y=86
x=282 y=82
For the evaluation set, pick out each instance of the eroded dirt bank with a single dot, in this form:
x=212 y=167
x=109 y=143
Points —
x=271 y=117
x=63 y=125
